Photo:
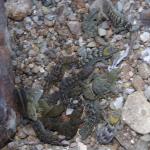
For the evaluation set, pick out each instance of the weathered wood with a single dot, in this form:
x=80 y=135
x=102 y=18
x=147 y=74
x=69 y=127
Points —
x=8 y=108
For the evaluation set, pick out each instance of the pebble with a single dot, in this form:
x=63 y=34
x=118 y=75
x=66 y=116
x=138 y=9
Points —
x=144 y=70
x=91 y=44
x=147 y=92
x=79 y=4
x=102 y=32
x=48 y=2
x=41 y=69
x=145 y=137
x=73 y=144
x=145 y=36
x=17 y=80
x=95 y=4
x=129 y=91
x=117 y=104
x=32 y=53
x=126 y=68
x=105 y=148
x=143 y=142
x=100 y=40
x=65 y=142
x=81 y=42
x=81 y=146
x=36 y=69
x=39 y=147
x=18 y=9
x=136 y=46
x=33 y=139
x=69 y=111
x=49 y=23
x=104 y=25
x=62 y=137
x=117 y=38
x=28 y=130
x=136 y=113
x=141 y=145
x=31 y=66
x=21 y=134
x=120 y=5
x=12 y=145
x=145 y=55
x=37 y=20
x=75 y=27
x=24 y=147
x=138 y=83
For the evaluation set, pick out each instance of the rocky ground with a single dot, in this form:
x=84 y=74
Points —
x=42 y=29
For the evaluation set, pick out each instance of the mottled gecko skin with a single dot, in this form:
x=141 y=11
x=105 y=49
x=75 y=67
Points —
x=118 y=20
x=98 y=87
x=93 y=56
x=72 y=87
x=90 y=23
x=68 y=84
x=69 y=87
x=105 y=133
x=105 y=10
x=90 y=120
x=58 y=70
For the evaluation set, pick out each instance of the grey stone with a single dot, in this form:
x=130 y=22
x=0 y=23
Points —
x=145 y=138
x=81 y=146
x=136 y=113
x=91 y=44
x=141 y=145
x=147 y=92
x=145 y=55
x=75 y=27
x=39 y=147
x=144 y=70
x=129 y=90
x=138 y=83
x=117 y=104
x=145 y=36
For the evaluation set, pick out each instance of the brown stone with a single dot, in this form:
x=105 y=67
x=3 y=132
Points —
x=138 y=83
x=79 y=4
x=144 y=70
x=18 y=9
x=125 y=74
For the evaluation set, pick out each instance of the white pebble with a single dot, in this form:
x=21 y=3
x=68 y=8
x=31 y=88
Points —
x=81 y=146
x=69 y=111
x=101 y=32
x=145 y=55
x=145 y=36
x=42 y=70
x=129 y=90
x=117 y=104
